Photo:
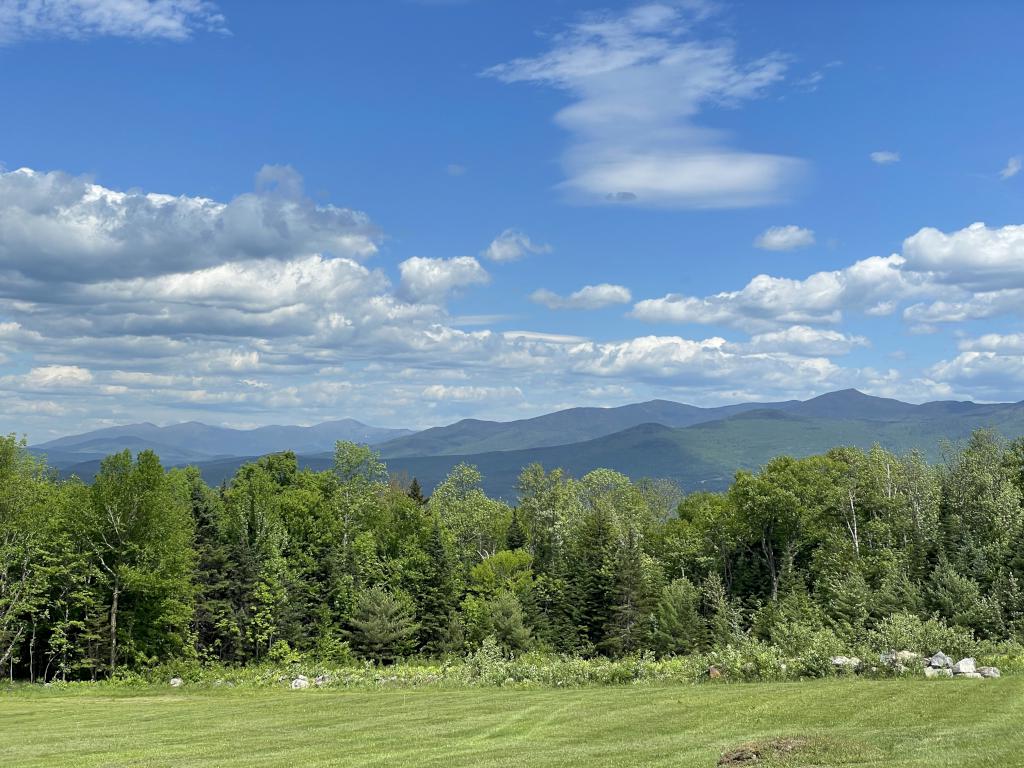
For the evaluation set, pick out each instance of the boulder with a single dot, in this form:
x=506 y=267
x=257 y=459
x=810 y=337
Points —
x=964 y=667
x=320 y=680
x=177 y=682
x=300 y=682
x=845 y=662
x=940 y=661
x=938 y=672
x=988 y=671
x=972 y=675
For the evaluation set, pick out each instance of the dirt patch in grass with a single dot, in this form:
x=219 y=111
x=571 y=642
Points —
x=759 y=751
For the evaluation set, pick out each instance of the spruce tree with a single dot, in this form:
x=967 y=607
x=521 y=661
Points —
x=515 y=537
x=436 y=594
x=416 y=493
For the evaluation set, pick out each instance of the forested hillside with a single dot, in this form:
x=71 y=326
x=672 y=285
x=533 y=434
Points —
x=827 y=552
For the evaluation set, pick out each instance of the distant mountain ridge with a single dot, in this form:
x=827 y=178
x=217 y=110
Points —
x=696 y=447
x=193 y=441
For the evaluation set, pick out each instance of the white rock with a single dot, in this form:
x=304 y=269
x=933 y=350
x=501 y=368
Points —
x=964 y=667
x=988 y=671
x=938 y=672
x=972 y=675
x=177 y=682
x=940 y=660
x=300 y=682
x=322 y=680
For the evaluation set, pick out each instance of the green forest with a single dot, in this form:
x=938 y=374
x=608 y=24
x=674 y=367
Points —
x=810 y=557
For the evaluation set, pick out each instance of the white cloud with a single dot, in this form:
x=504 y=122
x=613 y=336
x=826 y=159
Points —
x=433 y=280
x=804 y=340
x=638 y=81
x=1011 y=169
x=51 y=376
x=587 y=297
x=56 y=228
x=512 y=245
x=976 y=257
x=82 y=19
x=470 y=394
x=785 y=238
x=885 y=157
x=766 y=301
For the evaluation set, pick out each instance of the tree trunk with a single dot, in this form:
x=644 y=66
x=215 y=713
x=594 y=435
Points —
x=113 y=626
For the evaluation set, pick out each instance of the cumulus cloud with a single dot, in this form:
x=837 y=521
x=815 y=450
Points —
x=587 y=297
x=638 y=81
x=512 y=245
x=433 y=280
x=83 y=19
x=977 y=257
x=1011 y=169
x=56 y=228
x=885 y=157
x=768 y=301
x=785 y=238
x=804 y=340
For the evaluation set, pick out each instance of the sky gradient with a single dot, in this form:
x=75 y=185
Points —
x=407 y=213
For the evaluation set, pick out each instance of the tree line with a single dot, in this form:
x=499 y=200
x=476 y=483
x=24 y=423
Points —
x=145 y=565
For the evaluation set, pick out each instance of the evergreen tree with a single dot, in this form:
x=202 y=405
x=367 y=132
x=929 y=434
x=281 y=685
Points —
x=382 y=625
x=436 y=594
x=679 y=627
x=416 y=493
x=515 y=537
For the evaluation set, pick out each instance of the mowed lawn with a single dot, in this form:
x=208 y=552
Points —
x=836 y=722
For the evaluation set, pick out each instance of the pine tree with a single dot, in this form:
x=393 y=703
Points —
x=591 y=579
x=382 y=627
x=679 y=627
x=630 y=626
x=721 y=618
x=515 y=537
x=416 y=493
x=436 y=595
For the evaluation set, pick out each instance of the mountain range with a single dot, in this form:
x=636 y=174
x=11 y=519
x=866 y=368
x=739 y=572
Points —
x=700 y=448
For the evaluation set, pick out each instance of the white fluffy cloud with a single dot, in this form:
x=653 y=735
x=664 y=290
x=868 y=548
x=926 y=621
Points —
x=885 y=157
x=638 y=81
x=80 y=19
x=977 y=257
x=57 y=228
x=768 y=301
x=433 y=280
x=512 y=245
x=804 y=340
x=785 y=238
x=587 y=297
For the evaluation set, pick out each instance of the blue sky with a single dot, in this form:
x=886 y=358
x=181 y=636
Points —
x=412 y=212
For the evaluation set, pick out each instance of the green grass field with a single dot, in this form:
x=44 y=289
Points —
x=837 y=722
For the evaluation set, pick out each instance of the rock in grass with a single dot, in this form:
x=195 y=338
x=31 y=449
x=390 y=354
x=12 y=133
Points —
x=971 y=675
x=964 y=667
x=938 y=672
x=177 y=682
x=988 y=671
x=320 y=680
x=940 y=661
x=300 y=682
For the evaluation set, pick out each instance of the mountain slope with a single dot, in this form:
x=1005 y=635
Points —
x=193 y=441
x=558 y=428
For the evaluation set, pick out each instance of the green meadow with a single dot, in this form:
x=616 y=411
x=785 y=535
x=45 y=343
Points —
x=891 y=723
